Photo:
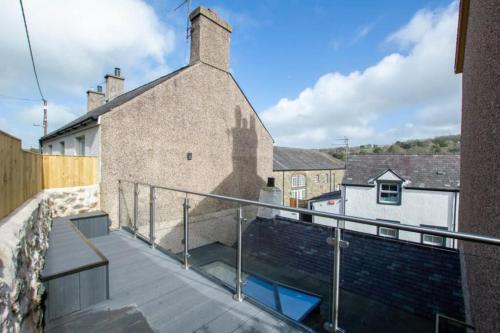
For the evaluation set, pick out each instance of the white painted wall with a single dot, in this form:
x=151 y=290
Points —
x=91 y=142
x=433 y=208
x=333 y=206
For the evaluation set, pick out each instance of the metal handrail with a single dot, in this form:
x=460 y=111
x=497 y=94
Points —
x=378 y=223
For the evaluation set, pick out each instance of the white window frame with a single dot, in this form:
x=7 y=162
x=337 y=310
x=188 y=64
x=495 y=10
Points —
x=298 y=181
x=50 y=149
x=389 y=191
x=299 y=194
x=80 y=147
x=381 y=230
x=432 y=241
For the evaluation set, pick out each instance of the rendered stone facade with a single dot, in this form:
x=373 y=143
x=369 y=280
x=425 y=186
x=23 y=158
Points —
x=317 y=182
x=480 y=155
x=201 y=111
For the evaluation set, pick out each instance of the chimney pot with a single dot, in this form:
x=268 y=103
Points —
x=117 y=71
x=99 y=89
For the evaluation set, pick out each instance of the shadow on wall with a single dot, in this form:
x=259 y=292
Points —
x=213 y=220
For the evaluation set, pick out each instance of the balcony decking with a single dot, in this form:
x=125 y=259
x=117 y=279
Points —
x=151 y=292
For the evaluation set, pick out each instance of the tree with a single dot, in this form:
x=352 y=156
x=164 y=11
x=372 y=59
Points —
x=377 y=150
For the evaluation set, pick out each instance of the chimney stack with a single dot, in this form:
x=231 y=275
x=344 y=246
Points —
x=95 y=98
x=210 y=37
x=114 y=84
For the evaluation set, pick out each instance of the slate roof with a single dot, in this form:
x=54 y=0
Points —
x=285 y=158
x=123 y=98
x=440 y=172
x=327 y=196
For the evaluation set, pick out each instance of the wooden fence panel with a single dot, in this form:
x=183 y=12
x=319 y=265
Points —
x=67 y=171
x=23 y=173
x=20 y=174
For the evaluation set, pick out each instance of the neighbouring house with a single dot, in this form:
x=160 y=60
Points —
x=330 y=202
x=477 y=58
x=305 y=173
x=193 y=128
x=420 y=190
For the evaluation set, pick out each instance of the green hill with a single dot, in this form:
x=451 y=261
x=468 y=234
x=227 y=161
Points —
x=449 y=144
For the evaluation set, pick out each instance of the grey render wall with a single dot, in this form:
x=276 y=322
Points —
x=419 y=279
x=70 y=141
x=480 y=156
x=201 y=111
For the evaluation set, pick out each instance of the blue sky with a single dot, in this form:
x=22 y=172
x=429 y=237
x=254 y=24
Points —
x=315 y=70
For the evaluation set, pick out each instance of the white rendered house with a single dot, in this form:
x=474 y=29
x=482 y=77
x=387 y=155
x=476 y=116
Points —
x=419 y=190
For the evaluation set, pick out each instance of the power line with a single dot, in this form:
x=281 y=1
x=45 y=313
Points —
x=31 y=51
x=19 y=98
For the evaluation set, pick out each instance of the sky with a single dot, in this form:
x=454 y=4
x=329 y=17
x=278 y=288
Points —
x=315 y=71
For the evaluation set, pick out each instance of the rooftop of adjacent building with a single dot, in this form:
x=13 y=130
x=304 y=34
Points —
x=286 y=158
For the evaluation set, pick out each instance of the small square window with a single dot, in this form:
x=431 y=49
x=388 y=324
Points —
x=389 y=193
x=80 y=141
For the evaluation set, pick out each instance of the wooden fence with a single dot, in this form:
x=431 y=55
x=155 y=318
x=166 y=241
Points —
x=23 y=173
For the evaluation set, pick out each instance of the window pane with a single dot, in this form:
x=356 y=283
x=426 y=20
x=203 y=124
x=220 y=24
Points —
x=433 y=240
x=387 y=232
x=385 y=187
x=393 y=187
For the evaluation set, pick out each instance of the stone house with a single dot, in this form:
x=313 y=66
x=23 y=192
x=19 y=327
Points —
x=302 y=174
x=193 y=128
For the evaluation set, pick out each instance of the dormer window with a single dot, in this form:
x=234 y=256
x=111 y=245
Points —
x=389 y=193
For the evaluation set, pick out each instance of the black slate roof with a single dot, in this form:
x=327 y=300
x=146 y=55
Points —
x=286 y=158
x=123 y=98
x=327 y=196
x=441 y=172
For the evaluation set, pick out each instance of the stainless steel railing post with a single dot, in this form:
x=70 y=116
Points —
x=239 y=281
x=337 y=244
x=119 y=204
x=152 y=207
x=136 y=208
x=186 y=232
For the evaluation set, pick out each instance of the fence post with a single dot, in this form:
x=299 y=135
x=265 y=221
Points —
x=136 y=209
x=239 y=281
x=337 y=244
x=186 y=232
x=152 y=210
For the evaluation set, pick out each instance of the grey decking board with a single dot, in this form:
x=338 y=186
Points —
x=169 y=297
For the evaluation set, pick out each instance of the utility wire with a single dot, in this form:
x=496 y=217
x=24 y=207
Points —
x=31 y=52
x=19 y=98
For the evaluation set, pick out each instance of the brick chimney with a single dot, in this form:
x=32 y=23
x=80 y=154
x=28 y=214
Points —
x=95 y=98
x=114 y=84
x=209 y=38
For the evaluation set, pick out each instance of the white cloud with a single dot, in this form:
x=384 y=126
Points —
x=419 y=78
x=57 y=115
x=75 y=42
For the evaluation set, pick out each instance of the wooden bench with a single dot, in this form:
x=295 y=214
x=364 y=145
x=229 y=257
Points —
x=75 y=274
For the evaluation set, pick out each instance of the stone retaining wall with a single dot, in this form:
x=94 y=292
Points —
x=23 y=243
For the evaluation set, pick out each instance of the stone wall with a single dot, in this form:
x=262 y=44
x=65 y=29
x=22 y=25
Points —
x=317 y=182
x=23 y=243
x=73 y=200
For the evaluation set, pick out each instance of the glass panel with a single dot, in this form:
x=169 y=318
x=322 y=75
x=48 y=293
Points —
x=169 y=223
x=143 y=196
x=127 y=205
x=393 y=188
x=213 y=238
x=389 y=285
x=385 y=187
x=287 y=265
